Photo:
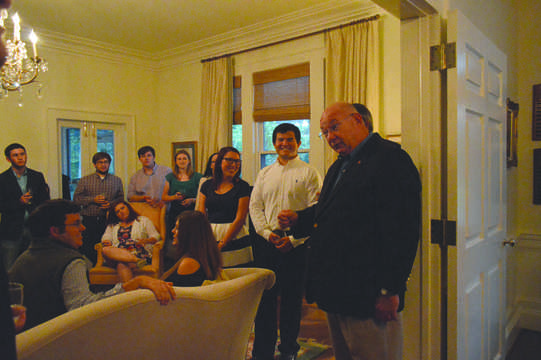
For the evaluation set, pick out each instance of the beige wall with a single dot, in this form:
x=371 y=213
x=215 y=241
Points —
x=83 y=83
x=528 y=55
x=163 y=99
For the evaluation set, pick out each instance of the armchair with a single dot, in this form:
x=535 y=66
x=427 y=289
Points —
x=105 y=275
x=210 y=322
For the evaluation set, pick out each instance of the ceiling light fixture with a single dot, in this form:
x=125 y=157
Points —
x=19 y=69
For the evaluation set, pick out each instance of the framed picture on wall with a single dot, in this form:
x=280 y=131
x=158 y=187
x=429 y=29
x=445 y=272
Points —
x=190 y=147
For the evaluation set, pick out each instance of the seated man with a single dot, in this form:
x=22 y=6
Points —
x=54 y=273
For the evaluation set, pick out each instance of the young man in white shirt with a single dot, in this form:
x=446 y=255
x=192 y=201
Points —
x=288 y=183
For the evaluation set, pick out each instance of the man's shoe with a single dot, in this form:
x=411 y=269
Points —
x=288 y=356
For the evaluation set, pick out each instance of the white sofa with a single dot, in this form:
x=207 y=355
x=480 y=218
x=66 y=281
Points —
x=203 y=323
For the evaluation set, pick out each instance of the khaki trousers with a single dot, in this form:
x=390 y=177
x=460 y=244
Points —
x=366 y=339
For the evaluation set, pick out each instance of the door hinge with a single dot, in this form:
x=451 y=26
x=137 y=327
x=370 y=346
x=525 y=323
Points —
x=442 y=57
x=443 y=232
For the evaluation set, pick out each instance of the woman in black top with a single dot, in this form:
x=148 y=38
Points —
x=198 y=254
x=225 y=199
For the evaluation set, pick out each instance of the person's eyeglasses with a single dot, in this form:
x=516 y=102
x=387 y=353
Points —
x=334 y=128
x=76 y=224
x=232 y=161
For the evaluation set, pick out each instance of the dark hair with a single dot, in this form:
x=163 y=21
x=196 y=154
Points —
x=195 y=239
x=143 y=150
x=112 y=218
x=208 y=169
x=189 y=171
x=366 y=115
x=11 y=147
x=50 y=213
x=285 y=127
x=218 y=173
x=100 y=155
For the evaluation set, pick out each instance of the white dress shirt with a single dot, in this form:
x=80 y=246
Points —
x=278 y=187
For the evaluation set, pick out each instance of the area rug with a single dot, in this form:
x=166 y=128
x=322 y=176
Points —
x=310 y=349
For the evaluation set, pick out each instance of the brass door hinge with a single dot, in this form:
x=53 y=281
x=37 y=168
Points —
x=443 y=232
x=442 y=57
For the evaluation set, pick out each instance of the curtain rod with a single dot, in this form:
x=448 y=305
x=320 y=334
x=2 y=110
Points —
x=371 y=18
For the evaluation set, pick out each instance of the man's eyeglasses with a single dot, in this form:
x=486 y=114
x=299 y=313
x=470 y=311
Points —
x=232 y=161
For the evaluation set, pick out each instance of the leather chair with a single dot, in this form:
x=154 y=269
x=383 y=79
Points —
x=105 y=275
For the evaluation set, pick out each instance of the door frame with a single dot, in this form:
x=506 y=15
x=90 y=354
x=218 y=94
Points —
x=54 y=164
x=421 y=137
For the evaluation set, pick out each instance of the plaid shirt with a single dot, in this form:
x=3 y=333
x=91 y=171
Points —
x=92 y=185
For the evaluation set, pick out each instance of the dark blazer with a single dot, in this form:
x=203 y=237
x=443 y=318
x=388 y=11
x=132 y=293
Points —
x=11 y=224
x=364 y=231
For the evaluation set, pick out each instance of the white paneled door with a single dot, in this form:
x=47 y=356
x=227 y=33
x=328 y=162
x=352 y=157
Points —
x=476 y=101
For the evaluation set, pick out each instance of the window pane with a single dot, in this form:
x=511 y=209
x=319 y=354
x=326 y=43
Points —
x=268 y=159
x=106 y=143
x=303 y=125
x=237 y=137
x=71 y=156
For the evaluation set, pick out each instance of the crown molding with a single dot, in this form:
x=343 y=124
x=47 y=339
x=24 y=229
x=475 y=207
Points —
x=74 y=45
x=292 y=25
x=305 y=22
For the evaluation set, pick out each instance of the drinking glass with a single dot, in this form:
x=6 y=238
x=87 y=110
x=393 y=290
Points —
x=15 y=295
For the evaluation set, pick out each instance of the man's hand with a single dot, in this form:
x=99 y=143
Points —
x=387 y=307
x=274 y=239
x=163 y=291
x=26 y=198
x=287 y=219
x=19 y=317
x=284 y=244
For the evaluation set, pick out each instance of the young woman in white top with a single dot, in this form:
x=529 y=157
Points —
x=128 y=239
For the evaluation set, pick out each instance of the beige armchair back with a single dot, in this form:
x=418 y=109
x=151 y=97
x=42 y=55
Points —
x=207 y=322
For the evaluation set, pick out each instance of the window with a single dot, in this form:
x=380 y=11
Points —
x=282 y=95
x=268 y=155
x=237 y=114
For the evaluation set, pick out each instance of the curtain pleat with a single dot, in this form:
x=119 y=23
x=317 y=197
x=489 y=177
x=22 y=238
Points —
x=216 y=107
x=352 y=69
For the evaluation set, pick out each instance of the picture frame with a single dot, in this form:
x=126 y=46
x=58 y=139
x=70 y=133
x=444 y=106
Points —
x=189 y=146
x=512 y=133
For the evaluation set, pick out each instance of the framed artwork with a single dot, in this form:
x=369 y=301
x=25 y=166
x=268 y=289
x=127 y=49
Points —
x=188 y=146
x=512 y=135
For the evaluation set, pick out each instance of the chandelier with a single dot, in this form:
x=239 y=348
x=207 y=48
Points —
x=19 y=69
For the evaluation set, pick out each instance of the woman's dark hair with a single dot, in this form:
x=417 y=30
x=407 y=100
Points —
x=196 y=240
x=112 y=218
x=218 y=173
x=208 y=169
x=189 y=170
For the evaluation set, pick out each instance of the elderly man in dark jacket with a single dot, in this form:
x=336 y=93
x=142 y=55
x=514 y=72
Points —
x=364 y=234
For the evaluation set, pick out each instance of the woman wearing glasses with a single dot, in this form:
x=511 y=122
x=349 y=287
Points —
x=224 y=199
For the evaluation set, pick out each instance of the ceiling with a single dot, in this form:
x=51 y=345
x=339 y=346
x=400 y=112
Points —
x=154 y=26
